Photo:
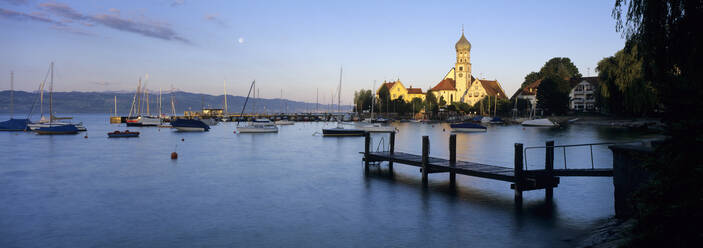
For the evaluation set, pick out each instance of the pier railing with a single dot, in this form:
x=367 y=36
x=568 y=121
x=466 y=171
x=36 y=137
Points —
x=551 y=148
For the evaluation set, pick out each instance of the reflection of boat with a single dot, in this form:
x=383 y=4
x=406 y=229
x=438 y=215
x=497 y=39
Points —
x=467 y=127
x=341 y=131
x=123 y=134
x=544 y=122
x=259 y=126
x=186 y=125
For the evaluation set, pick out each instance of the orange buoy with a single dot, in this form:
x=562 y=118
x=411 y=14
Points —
x=174 y=155
x=85 y=137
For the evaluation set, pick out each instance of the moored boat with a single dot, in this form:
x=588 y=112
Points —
x=544 y=122
x=467 y=127
x=259 y=126
x=342 y=132
x=123 y=134
x=376 y=127
x=60 y=129
x=14 y=125
x=188 y=125
x=284 y=122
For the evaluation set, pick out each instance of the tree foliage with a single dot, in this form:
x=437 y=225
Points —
x=431 y=103
x=552 y=97
x=670 y=42
x=362 y=100
x=623 y=88
x=556 y=67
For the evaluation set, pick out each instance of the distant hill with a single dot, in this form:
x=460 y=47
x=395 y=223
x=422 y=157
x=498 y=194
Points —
x=103 y=102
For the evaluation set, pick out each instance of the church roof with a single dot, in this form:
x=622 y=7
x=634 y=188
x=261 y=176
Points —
x=492 y=88
x=591 y=80
x=412 y=90
x=463 y=43
x=446 y=84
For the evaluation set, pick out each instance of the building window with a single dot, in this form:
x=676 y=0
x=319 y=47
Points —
x=461 y=68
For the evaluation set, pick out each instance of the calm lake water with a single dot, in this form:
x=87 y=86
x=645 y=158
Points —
x=294 y=188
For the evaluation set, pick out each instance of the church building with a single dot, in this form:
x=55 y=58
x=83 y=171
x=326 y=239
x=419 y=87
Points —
x=458 y=85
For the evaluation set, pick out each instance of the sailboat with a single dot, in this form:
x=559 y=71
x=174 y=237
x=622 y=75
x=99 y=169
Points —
x=259 y=125
x=141 y=120
x=340 y=130
x=13 y=124
x=285 y=120
x=53 y=127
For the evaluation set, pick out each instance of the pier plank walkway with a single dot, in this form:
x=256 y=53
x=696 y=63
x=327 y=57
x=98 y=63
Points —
x=444 y=165
x=520 y=178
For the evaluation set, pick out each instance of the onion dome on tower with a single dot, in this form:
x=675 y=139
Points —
x=463 y=43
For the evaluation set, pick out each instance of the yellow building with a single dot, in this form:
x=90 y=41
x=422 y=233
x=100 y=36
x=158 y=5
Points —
x=458 y=85
x=396 y=89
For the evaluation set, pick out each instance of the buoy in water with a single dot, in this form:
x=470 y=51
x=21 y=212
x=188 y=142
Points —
x=85 y=137
x=174 y=155
x=183 y=139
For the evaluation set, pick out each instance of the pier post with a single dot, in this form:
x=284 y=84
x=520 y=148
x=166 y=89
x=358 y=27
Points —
x=367 y=147
x=392 y=150
x=452 y=159
x=549 y=169
x=425 y=158
x=519 y=173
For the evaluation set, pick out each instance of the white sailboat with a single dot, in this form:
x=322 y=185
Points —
x=53 y=121
x=258 y=125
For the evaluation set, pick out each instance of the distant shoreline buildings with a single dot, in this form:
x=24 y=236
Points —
x=458 y=85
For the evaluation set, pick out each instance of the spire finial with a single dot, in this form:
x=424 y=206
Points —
x=462 y=29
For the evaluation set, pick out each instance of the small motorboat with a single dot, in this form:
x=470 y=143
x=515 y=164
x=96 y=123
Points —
x=141 y=121
x=259 y=126
x=189 y=125
x=467 y=127
x=284 y=122
x=123 y=134
x=60 y=129
x=544 y=122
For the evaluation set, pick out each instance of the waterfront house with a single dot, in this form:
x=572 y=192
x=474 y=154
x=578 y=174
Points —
x=582 y=95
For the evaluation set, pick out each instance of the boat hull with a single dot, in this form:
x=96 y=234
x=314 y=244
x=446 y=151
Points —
x=36 y=126
x=63 y=129
x=123 y=135
x=340 y=132
x=184 y=125
x=467 y=127
x=257 y=130
x=539 y=123
x=14 y=125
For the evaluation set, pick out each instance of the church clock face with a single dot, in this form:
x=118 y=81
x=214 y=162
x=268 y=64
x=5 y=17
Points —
x=461 y=74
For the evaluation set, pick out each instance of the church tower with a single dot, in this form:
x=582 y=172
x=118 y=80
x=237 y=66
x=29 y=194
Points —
x=462 y=68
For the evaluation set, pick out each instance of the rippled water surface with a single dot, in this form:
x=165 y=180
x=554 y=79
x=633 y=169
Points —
x=293 y=188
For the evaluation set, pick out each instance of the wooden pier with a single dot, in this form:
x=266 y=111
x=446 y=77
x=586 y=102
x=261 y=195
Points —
x=520 y=179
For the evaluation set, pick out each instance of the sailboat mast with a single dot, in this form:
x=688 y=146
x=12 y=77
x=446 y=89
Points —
x=173 y=105
x=51 y=95
x=139 y=98
x=225 y=88
x=12 y=94
x=115 y=105
x=339 y=91
x=317 y=100
x=160 y=107
x=146 y=92
x=281 y=100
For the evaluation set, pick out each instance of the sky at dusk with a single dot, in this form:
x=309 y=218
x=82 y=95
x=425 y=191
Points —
x=292 y=46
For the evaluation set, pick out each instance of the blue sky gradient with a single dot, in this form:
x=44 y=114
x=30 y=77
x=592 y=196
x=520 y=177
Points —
x=293 y=46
